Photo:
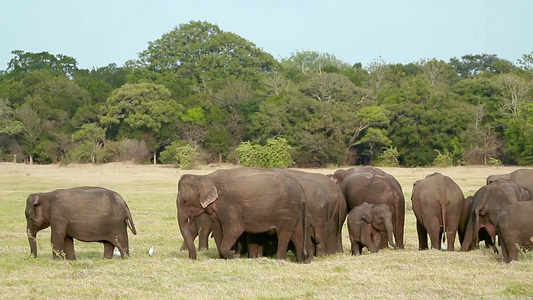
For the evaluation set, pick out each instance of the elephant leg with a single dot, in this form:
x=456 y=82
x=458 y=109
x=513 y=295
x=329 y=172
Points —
x=512 y=250
x=69 y=248
x=398 y=220
x=354 y=248
x=284 y=237
x=505 y=253
x=203 y=239
x=451 y=232
x=217 y=234
x=58 y=242
x=121 y=242
x=228 y=241
x=435 y=234
x=108 y=250
x=323 y=241
x=126 y=246
x=422 y=236
x=255 y=245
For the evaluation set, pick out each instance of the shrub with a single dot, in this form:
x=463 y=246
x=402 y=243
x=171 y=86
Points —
x=443 y=160
x=495 y=162
x=275 y=154
x=135 y=150
x=180 y=154
x=388 y=158
x=187 y=157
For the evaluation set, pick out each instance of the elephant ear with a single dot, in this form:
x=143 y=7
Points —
x=208 y=195
x=333 y=178
x=36 y=200
x=367 y=216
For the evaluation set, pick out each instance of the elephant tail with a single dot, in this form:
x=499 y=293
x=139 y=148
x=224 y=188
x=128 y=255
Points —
x=130 y=224
x=443 y=213
x=306 y=224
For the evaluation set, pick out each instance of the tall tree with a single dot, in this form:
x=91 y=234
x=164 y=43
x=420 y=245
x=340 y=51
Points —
x=470 y=65
x=32 y=129
x=202 y=52
x=25 y=62
x=143 y=107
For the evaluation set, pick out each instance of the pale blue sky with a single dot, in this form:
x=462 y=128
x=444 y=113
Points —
x=99 y=32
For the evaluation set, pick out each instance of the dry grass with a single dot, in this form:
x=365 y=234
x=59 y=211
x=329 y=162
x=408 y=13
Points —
x=151 y=192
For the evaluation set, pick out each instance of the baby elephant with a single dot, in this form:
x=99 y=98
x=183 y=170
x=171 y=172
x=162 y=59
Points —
x=366 y=222
x=88 y=214
x=515 y=229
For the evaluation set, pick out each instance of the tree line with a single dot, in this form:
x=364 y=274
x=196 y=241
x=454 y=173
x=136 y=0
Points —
x=210 y=90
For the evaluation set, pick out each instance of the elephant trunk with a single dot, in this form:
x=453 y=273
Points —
x=185 y=228
x=470 y=234
x=388 y=227
x=32 y=234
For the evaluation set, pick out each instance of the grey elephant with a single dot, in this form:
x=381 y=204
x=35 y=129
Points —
x=523 y=177
x=88 y=214
x=515 y=229
x=437 y=204
x=487 y=204
x=245 y=200
x=326 y=207
x=373 y=185
x=366 y=223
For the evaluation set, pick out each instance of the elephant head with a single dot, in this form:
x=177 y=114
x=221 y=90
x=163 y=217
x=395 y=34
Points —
x=195 y=194
x=493 y=178
x=380 y=217
x=37 y=218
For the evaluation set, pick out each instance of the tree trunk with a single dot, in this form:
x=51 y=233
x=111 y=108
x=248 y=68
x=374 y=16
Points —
x=155 y=158
x=31 y=159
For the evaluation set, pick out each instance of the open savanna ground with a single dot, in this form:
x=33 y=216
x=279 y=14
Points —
x=150 y=192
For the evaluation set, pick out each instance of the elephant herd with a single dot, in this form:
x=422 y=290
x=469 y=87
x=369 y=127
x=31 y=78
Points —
x=252 y=212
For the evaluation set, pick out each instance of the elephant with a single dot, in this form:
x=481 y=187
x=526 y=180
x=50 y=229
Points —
x=88 y=214
x=202 y=228
x=373 y=185
x=487 y=204
x=326 y=209
x=245 y=200
x=437 y=204
x=366 y=223
x=523 y=177
x=515 y=229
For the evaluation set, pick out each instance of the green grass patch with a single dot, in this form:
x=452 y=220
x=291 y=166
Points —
x=150 y=192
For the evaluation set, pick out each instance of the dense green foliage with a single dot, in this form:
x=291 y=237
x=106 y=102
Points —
x=275 y=154
x=213 y=90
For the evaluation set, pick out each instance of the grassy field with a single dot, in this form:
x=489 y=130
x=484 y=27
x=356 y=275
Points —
x=151 y=194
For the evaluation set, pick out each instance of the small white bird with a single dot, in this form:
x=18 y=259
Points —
x=116 y=252
x=151 y=251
